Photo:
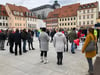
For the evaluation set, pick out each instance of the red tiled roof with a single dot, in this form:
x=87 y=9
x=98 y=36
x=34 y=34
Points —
x=54 y=14
x=65 y=11
x=19 y=9
x=85 y=6
x=69 y=10
x=3 y=11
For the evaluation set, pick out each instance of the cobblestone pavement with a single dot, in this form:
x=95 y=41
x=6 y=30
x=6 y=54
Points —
x=29 y=63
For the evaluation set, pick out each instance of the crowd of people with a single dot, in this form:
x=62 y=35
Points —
x=59 y=37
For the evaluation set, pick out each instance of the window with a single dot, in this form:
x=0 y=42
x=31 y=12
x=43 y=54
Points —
x=65 y=24
x=92 y=5
x=88 y=6
x=92 y=16
x=80 y=7
x=60 y=19
x=3 y=24
x=74 y=23
x=92 y=10
x=65 y=19
x=84 y=11
x=21 y=14
x=0 y=24
x=91 y=22
x=68 y=19
x=83 y=16
x=87 y=22
x=60 y=24
x=74 y=18
x=84 y=23
x=79 y=17
x=68 y=23
x=71 y=23
x=87 y=16
x=88 y=11
x=20 y=25
x=79 y=23
x=14 y=12
x=71 y=19
x=6 y=24
x=84 y=7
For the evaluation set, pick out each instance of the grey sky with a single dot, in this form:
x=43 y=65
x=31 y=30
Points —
x=35 y=3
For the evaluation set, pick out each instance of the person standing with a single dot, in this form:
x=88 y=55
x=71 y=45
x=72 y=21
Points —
x=52 y=34
x=44 y=45
x=24 y=38
x=11 y=41
x=30 y=40
x=59 y=42
x=2 y=38
x=72 y=36
x=66 y=35
x=17 y=39
x=91 y=54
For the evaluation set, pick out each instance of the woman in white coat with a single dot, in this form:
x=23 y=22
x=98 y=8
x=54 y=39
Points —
x=44 y=45
x=59 y=43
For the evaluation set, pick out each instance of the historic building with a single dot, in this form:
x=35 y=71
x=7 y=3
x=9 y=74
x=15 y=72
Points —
x=31 y=20
x=68 y=16
x=98 y=19
x=87 y=14
x=20 y=17
x=43 y=11
x=3 y=18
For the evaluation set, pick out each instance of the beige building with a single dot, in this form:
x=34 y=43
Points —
x=17 y=19
x=87 y=15
x=68 y=16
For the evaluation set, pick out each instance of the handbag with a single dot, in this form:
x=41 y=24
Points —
x=91 y=46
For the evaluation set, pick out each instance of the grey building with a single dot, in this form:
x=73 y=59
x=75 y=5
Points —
x=43 y=11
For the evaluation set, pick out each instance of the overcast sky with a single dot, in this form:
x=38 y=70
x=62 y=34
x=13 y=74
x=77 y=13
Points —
x=35 y=3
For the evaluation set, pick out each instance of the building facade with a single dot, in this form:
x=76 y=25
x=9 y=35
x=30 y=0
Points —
x=98 y=19
x=43 y=11
x=87 y=15
x=68 y=16
x=3 y=18
x=52 y=19
x=31 y=21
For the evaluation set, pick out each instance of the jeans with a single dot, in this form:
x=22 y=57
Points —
x=24 y=45
x=2 y=43
x=59 y=57
x=90 y=65
x=18 y=44
x=43 y=53
x=30 y=43
x=72 y=47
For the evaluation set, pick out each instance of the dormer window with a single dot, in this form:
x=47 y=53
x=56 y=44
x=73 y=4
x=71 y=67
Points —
x=14 y=12
x=88 y=6
x=21 y=14
x=92 y=5
x=84 y=7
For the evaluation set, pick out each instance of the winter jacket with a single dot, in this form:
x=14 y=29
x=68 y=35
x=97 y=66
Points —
x=24 y=35
x=17 y=37
x=29 y=37
x=59 y=41
x=2 y=36
x=11 y=37
x=44 y=41
x=72 y=36
x=88 y=39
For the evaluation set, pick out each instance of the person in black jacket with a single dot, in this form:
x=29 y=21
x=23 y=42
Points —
x=2 y=40
x=30 y=40
x=17 y=39
x=11 y=41
x=52 y=34
x=24 y=38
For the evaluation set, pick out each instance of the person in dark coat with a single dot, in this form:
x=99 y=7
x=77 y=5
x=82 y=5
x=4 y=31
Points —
x=11 y=41
x=52 y=34
x=17 y=40
x=66 y=35
x=30 y=40
x=2 y=39
x=24 y=38
x=72 y=36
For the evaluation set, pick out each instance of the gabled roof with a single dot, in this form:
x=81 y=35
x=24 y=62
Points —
x=3 y=11
x=69 y=10
x=20 y=9
x=88 y=6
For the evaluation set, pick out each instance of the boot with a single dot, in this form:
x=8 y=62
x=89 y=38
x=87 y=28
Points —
x=42 y=60
x=45 y=60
